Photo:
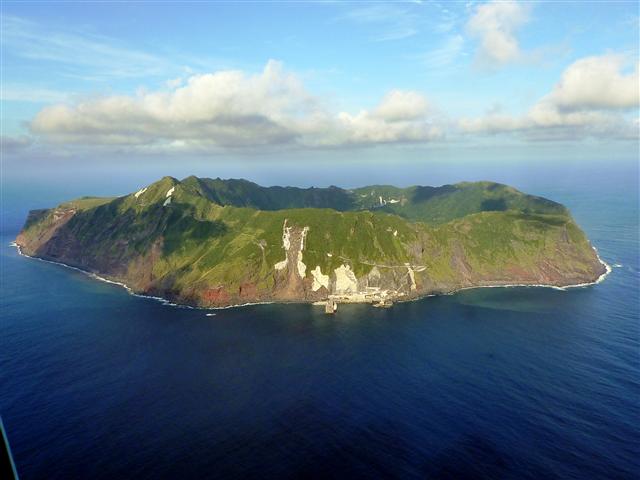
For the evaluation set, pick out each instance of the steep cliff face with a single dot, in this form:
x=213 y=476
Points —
x=171 y=239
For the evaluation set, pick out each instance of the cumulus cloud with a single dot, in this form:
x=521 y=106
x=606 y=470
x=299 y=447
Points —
x=226 y=108
x=400 y=105
x=585 y=102
x=598 y=82
x=232 y=109
x=495 y=25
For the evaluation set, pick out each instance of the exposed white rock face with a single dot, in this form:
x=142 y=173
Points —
x=329 y=254
x=170 y=192
x=395 y=233
x=286 y=244
x=286 y=235
x=167 y=202
x=302 y=268
x=140 y=192
x=319 y=280
x=412 y=277
x=346 y=281
x=383 y=201
x=295 y=257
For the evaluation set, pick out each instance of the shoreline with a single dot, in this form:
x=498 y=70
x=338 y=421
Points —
x=600 y=279
x=129 y=290
x=169 y=303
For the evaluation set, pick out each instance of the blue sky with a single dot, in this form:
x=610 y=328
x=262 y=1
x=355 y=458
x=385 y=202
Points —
x=179 y=87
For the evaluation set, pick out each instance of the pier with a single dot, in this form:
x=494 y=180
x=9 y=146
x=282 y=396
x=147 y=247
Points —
x=330 y=307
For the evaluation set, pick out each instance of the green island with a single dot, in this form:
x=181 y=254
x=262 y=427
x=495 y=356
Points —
x=214 y=243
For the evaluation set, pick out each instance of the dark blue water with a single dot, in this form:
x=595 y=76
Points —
x=491 y=383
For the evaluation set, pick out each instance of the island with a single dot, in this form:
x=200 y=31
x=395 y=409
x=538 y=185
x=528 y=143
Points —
x=216 y=243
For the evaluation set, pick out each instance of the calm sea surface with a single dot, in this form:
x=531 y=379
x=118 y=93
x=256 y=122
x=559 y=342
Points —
x=491 y=383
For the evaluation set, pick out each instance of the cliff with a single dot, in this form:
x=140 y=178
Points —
x=222 y=242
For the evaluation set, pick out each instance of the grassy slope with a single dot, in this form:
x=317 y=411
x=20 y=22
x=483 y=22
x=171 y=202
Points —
x=434 y=205
x=242 y=193
x=437 y=205
x=205 y=244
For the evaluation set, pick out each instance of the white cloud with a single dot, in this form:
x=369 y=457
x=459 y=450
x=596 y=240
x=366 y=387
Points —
x=598 y=83
x=495 y=25
x=232 y=109
x=174 y=82
x=585 y=102
x=401 y=116
x=400 y=105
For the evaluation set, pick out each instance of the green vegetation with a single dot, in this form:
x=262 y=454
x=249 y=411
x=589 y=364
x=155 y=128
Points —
x=437 y=205
x=434 y=205
x=182 y=238
x=86 y=203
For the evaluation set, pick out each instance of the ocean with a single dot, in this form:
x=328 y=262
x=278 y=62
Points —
x=508 y=383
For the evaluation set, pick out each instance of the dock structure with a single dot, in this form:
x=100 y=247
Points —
x=383 y=304
x=330 y=307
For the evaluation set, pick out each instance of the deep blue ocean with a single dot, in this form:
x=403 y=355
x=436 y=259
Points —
x=511 y=383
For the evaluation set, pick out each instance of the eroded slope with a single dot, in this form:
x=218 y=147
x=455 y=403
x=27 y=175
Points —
x=173 y=240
